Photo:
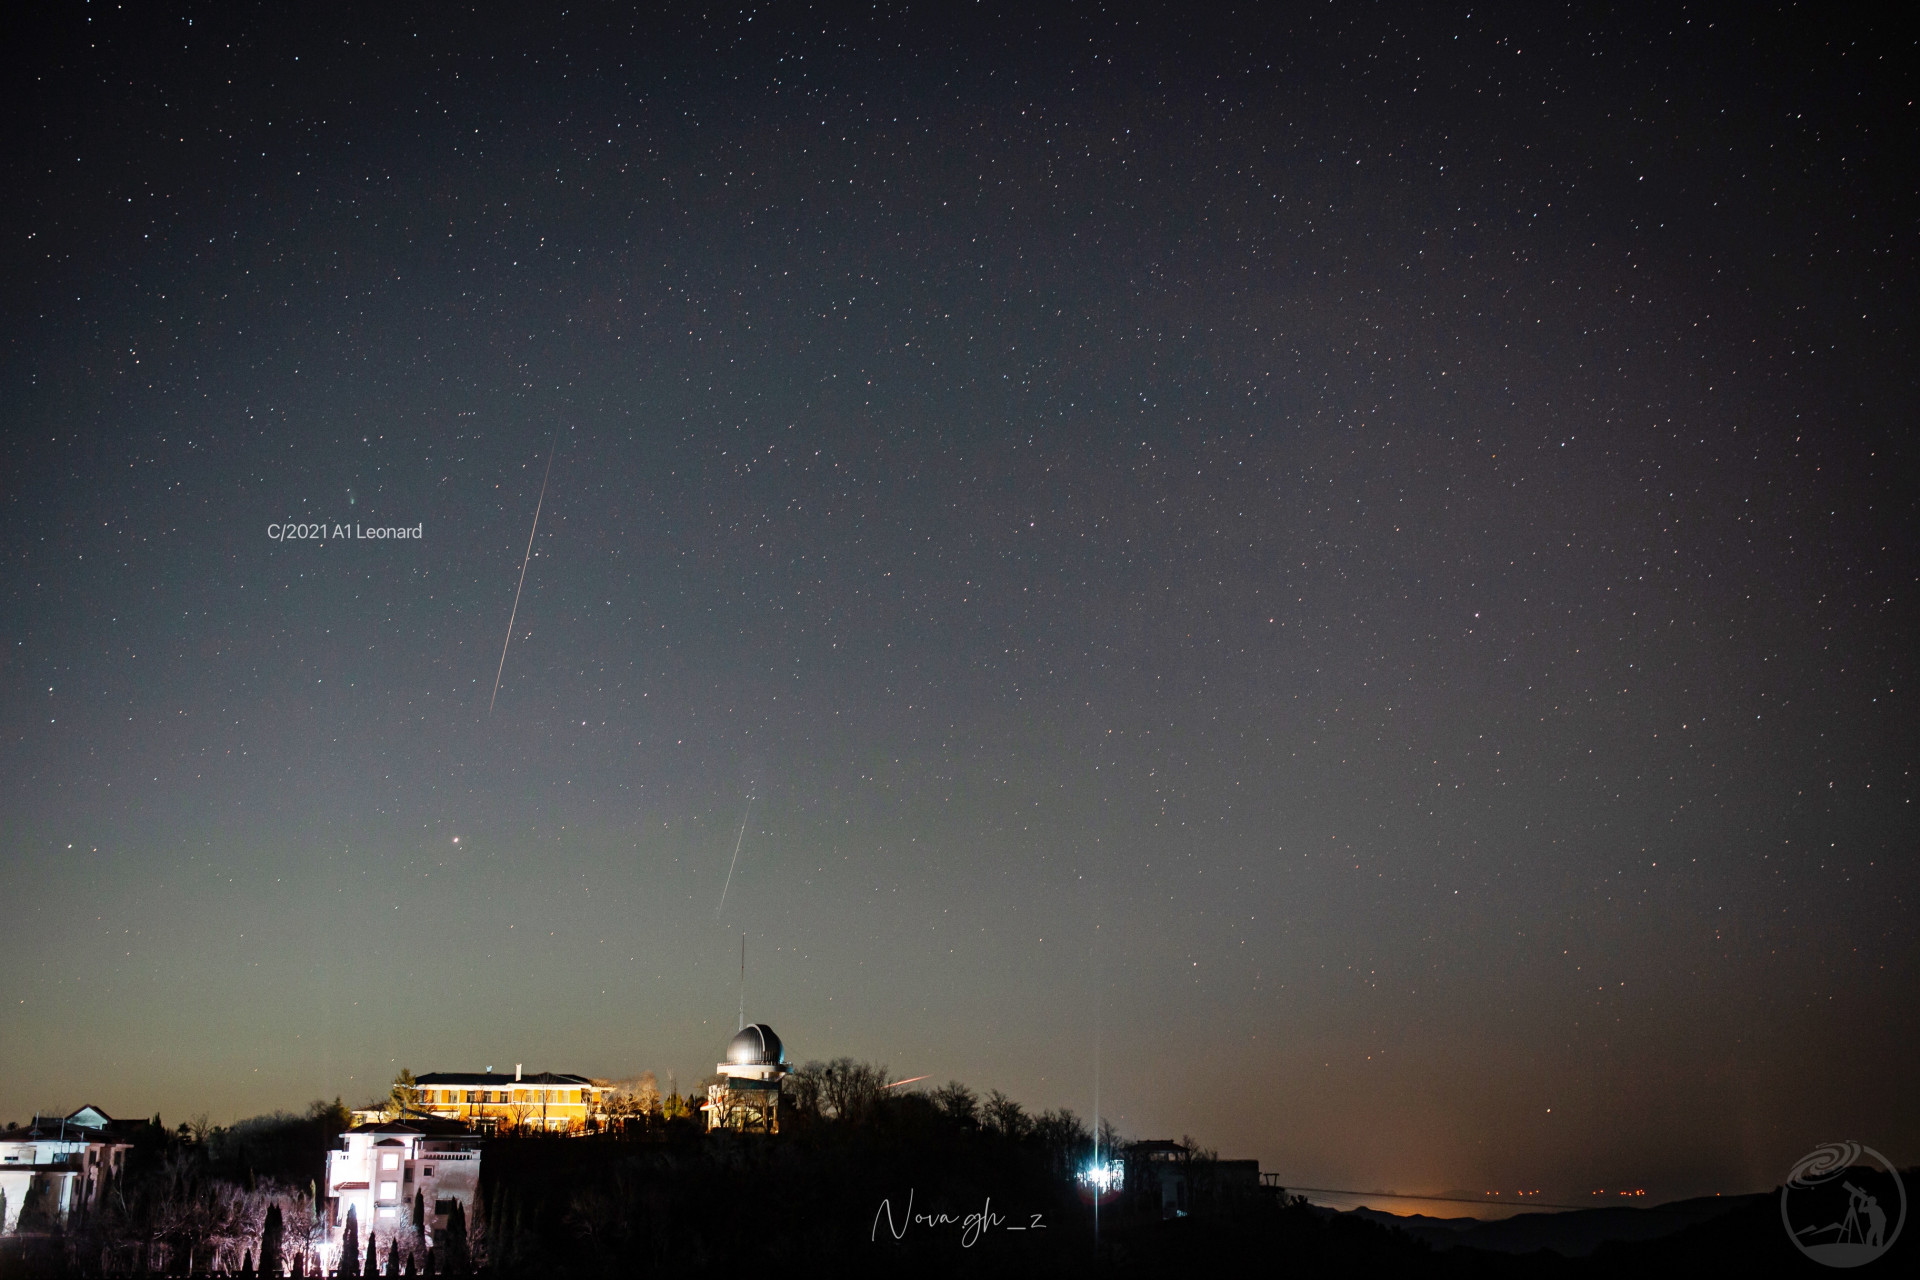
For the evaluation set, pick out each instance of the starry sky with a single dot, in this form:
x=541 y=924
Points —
x=1342 y=575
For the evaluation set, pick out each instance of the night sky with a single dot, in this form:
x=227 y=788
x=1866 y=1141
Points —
x=1347 y=570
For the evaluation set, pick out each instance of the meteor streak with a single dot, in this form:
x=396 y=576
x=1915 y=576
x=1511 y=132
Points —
x=738 y=841
x=523 y=574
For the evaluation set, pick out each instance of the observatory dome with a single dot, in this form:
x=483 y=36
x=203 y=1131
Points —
x=757 y=1046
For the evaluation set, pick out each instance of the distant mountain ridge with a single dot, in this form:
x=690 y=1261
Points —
x=1575 y=1233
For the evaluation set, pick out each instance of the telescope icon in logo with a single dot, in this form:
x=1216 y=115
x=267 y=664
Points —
x=1850 y=1209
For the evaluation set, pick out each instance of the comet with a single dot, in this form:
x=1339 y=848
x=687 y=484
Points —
x=523 y=574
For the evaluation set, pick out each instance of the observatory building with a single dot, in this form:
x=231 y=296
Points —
x=748 y=1096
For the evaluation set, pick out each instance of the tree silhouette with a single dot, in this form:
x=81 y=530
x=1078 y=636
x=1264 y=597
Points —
x=350 y=1244
x=1005 y=1116
x=404 y=1098
x=270 y=1242
x=456 y=1241
x=849 y=1089
x=958 y=1103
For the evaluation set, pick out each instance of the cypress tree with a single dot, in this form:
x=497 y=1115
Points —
x=270 y=1242
x=373 y=1257
x=419 y=1215
x=350 y=1245
x=456 y=1242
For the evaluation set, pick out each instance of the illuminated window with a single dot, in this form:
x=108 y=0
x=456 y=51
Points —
x=389 y=1191
x=389 y=1160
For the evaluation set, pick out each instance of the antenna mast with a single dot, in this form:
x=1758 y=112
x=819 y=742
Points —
x=743 y=984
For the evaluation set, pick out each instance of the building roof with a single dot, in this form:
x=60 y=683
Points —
x=88 y=1124
x=1157 y=1149
x=497 y=1079
x=420 y=1126
x=756 y=1046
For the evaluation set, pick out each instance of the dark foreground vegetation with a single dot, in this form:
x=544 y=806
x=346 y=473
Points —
x=929 y=1185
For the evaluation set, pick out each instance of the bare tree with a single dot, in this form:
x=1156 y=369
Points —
x=1005 y=1116
x=1067 y=1141
x=849 y=1090
x=958 y=1103
x=633 y=1099
x=804 y=1088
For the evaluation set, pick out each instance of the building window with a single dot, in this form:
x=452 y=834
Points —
x=389 y=1191
x=389 y=1160
x=429 y=1171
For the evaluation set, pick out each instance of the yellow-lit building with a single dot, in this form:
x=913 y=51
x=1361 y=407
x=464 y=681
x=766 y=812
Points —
x=493 y=1102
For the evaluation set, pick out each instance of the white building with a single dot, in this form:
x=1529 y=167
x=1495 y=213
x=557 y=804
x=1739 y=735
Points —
x=59 y=1165
x=380 y=1170
x=747 y=1097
